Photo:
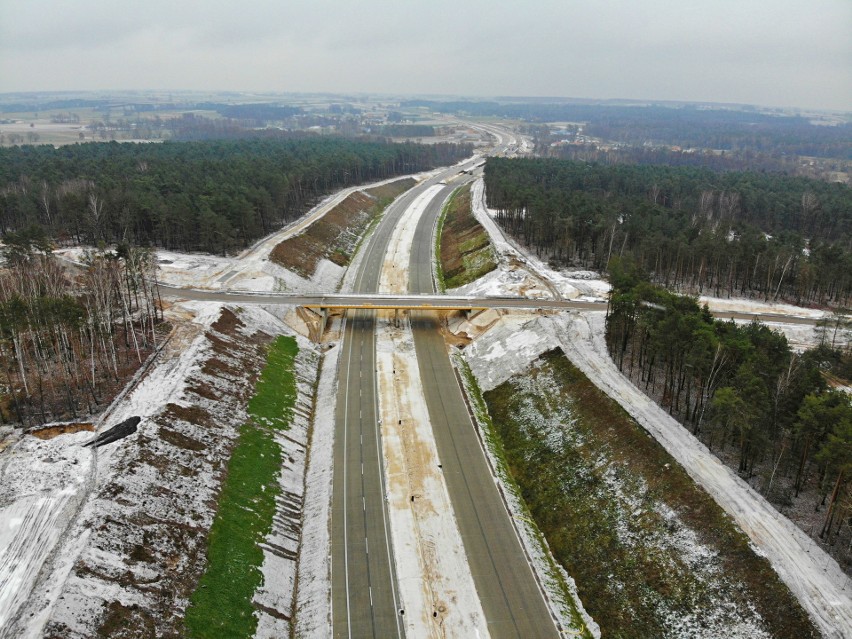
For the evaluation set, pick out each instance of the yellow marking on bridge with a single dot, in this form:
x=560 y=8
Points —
x=396 y=307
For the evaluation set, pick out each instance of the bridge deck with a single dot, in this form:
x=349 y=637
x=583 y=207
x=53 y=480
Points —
x=378 y=301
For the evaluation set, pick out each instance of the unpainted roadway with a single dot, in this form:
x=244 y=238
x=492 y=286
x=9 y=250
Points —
x=508 y=591
x=365 y=600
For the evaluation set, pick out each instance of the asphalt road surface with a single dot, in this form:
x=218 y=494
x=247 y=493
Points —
x=508 y=591
x=364 y=596
x=365 y=600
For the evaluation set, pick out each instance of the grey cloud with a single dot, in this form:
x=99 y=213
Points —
x=722 y=50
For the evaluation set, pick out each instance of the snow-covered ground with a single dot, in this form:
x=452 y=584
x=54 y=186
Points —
x=800 y=337
x=756 y=307
x=42 y=484
x=313 y=592
x=508 y=347
x=73 y=519
x=214 y=272
x=45 y=483
x=540 y=415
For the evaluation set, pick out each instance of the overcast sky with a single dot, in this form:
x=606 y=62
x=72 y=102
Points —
x=767 y=52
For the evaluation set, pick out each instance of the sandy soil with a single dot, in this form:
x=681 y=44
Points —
x=440 y=582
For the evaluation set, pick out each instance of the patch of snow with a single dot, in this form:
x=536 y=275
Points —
x=195 y=270
x=508 y=348
x=41 y=486
x=740 y=305
x=313 y=594
x=800 y=337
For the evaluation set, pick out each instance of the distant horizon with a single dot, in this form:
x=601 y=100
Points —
x=543 y=99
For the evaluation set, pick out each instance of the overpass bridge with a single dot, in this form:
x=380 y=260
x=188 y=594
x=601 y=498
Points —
x=379 y=301
x=323 y=303
x=314 y=309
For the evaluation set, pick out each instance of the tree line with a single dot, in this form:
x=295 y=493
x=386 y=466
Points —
x=214 y=196
x=692 y=229
x=688 y=126
x=71 y=338
x=551 y=145
x=761 y=407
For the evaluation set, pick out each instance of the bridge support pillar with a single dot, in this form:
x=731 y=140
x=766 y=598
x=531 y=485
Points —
x=308 y=322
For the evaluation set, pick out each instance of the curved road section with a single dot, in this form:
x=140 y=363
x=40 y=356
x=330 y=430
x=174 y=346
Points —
x=511 y=598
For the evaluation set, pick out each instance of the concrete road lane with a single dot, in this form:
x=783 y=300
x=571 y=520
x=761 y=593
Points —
x=510 y=595
x=511 y=599
x=365 y=600
x=364 y=597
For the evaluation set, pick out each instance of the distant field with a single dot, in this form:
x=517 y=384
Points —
x=68 y=126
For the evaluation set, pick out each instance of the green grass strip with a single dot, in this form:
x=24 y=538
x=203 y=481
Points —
x=476 y=253
x=439 y=230
x=222 y=606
